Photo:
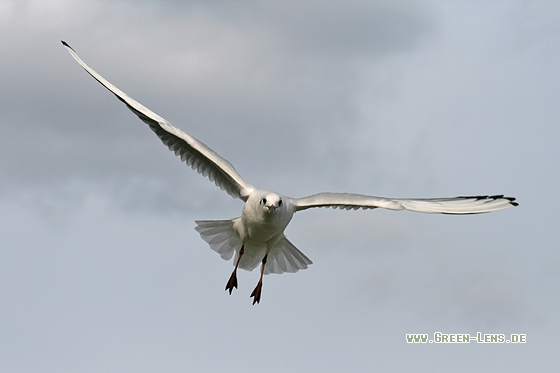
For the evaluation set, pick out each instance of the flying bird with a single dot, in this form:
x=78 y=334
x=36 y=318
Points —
x=257 y=236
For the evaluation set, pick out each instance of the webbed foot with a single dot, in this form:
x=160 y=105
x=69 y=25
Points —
x=256 y=294
x=232 y=282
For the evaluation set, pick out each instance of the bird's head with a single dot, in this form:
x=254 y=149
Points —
x=271 y=203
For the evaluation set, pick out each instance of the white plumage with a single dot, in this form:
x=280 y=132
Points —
x=257 y=236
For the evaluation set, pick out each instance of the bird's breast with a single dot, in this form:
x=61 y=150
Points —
x=263 y=227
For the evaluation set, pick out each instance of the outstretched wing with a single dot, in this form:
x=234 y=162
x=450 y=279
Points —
x=457 y=205
x=197 y=155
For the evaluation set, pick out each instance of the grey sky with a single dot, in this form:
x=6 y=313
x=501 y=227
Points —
x=101 y=269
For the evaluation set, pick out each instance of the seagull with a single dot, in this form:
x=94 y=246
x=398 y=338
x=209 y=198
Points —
x=257 y=236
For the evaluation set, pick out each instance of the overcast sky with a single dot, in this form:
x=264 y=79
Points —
x=101 y=269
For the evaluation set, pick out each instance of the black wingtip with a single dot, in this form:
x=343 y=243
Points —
x=497 y=196
x=66 y=44
x=512 y=201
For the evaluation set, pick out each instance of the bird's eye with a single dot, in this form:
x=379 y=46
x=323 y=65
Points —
x=280 y=202
x=264 y=200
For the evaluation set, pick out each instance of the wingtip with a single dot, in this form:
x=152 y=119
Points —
x=512 y=201
x=495 y=197
x=66 y=44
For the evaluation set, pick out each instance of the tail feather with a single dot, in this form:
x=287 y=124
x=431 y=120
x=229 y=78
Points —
x=220 y=236
x=223 y=239
x=285 y=257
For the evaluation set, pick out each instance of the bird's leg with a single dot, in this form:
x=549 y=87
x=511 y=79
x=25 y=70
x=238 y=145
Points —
x=232 y=282
x=257 y=292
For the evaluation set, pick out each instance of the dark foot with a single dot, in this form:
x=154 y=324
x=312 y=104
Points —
x=257 y=293
x=232 y=282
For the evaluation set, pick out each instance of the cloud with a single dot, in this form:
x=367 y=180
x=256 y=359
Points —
x=256 y=82
x=99 y=258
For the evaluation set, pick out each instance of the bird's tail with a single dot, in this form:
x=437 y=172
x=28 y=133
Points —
x=220 y=235
x=285 y=257
x=282 y=257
